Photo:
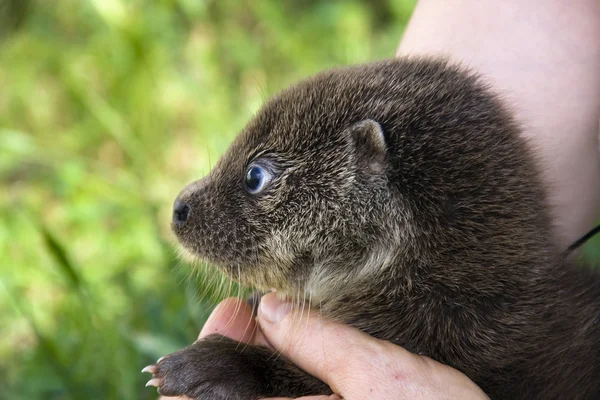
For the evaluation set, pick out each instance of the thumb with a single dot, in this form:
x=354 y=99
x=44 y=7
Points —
x=332 y=352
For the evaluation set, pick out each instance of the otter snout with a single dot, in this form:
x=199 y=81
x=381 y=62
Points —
x=181 y=212
x=186 y=202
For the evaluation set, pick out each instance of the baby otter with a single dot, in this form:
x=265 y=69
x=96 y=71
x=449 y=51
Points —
x=401 y=198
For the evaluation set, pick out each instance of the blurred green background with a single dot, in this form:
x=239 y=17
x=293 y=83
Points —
x=107 y=109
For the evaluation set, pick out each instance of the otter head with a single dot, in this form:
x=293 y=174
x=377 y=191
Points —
x=413 y=165
x=301 y=192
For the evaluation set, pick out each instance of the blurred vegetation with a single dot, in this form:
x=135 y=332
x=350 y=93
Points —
x=107 y=108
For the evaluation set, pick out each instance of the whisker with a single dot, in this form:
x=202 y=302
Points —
x=213 y=281
x=251 y=335
x=250 y=320
x=237 y=307
x=202 y=272
x=302 y=310
x=230 y=287
x=307 y=316
x=289 y=333
x=222 y=286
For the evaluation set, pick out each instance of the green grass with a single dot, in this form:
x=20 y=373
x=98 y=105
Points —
x=107 y=109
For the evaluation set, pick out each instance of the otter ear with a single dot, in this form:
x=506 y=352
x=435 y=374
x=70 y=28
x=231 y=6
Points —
x=369 y=144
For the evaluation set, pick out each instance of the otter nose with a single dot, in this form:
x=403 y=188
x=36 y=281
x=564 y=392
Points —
x=181 y=212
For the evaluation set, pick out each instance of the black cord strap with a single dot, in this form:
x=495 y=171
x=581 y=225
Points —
x=581 y=241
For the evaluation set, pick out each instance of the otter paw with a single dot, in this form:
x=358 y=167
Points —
x=212 y=368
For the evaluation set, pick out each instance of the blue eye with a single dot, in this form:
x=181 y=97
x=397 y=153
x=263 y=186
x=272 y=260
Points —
x=256 y=178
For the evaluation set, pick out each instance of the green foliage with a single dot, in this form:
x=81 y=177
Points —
x=107 y=108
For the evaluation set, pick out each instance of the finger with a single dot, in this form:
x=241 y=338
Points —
x=332 y=397
x=322 y=348
x=232 y=318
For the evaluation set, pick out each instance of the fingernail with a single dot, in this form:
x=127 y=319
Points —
x=254 y=301
x=272 y=309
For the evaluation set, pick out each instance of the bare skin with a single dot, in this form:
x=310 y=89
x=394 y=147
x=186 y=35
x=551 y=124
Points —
x=544 y=57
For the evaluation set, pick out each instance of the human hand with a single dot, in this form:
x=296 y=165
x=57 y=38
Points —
x=354 y=364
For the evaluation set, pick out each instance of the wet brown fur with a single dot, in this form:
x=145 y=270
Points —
x=438 y=241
